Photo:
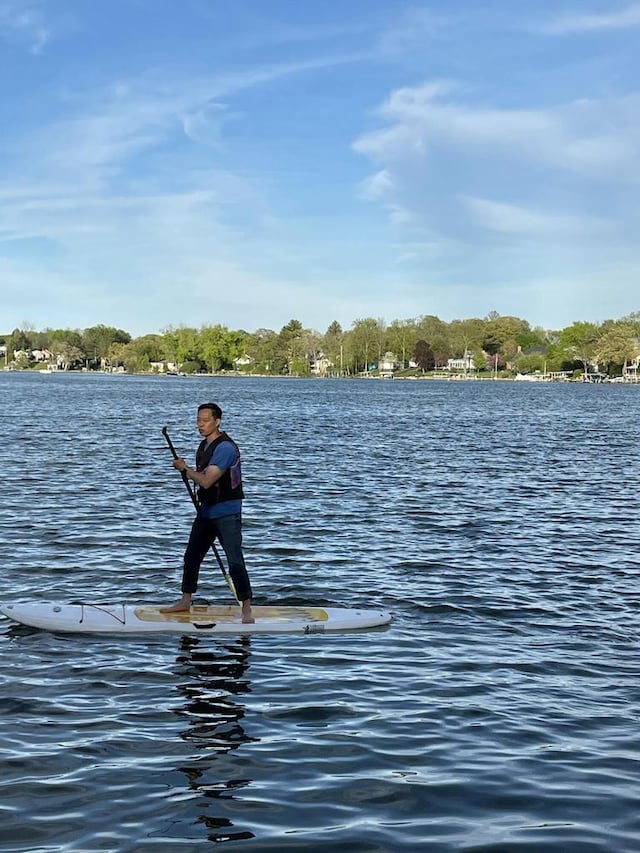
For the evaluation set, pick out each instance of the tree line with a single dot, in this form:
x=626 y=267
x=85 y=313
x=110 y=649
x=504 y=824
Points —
x=494 y=342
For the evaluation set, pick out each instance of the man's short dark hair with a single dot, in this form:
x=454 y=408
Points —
x=215 y=409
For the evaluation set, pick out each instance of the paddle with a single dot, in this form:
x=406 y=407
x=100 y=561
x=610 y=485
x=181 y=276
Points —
x=194 y=499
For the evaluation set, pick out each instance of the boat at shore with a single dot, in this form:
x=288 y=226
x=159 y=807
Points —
x=553 y=376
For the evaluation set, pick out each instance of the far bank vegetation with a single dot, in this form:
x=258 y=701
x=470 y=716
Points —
x=424 y=346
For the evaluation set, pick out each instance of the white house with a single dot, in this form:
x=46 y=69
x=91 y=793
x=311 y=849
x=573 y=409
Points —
x=41 y=355
x=630 y=371
x=243 y=360
x=388 y=363
x=464 y=363
x=163 y=367
x=319 y=364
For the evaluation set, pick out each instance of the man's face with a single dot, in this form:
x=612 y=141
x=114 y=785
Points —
x=207 y=423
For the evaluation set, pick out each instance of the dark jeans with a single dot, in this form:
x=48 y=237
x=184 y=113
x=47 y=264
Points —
x=204 y=532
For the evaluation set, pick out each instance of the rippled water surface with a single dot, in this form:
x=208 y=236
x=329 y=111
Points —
x=498 y=522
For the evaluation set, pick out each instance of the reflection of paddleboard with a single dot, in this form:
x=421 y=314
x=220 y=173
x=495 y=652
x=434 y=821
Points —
x=203 y=619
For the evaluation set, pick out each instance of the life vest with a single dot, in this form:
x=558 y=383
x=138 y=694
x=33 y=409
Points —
x=229 y=486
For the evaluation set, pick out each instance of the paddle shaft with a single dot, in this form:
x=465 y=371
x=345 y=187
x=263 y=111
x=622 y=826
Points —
x=194 y=500
x=183 y=474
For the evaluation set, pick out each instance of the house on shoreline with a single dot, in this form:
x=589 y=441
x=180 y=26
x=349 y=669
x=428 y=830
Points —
x=630 y=371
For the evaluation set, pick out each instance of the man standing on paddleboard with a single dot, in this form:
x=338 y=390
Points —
x=218 y=477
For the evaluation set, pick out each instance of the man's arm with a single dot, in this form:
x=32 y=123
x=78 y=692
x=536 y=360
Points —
x=205 y=479
x=225 y=455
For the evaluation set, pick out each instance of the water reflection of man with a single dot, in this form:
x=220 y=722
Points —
x=215 y=677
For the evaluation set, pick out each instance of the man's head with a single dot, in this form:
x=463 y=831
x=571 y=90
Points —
x=208 y=420
x=216 y=411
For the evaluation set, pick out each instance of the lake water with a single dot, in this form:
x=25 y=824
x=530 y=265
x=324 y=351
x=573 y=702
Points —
x=497 y=521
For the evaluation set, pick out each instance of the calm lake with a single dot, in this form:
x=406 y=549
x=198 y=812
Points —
x=498 y=522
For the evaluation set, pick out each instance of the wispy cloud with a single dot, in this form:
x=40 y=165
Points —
x=533 y=222
x=463 y=176
x=435 y=152
x=203 y=124
x=417 y=27
x=585 y=136
x=90 y=146
x=125 y=186
x=24 y=22
x=581 y=23
x=159 y=157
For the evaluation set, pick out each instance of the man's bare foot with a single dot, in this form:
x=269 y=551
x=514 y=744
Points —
x=179 y=606
x=247 y=618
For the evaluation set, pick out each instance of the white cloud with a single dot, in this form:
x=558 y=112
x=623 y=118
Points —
x=458 y=172
x=417 y=27
x=580 y=23
x=91 y=147
x=381 y=187
x=423 y=251
x=493 y=198
x=88 y=152
x=114 y=198
x=533 y=223
x=204 y=123
x=168 y=194
x=24 y=22
x=588 y=137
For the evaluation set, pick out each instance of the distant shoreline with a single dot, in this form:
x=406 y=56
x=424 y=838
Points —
x=520 y=379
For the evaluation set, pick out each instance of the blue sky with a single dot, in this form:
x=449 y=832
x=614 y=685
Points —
x=246 y=163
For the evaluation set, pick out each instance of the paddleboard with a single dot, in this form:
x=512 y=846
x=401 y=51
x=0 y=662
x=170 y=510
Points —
x=200 y=619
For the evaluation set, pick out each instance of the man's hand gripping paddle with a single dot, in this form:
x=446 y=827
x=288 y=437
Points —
x=194 y=499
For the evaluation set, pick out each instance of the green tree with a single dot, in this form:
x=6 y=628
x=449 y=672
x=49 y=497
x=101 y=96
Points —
x=180 y=345
x=311 y=350
x=235 y=345
x=42 y=340
x=402 y=336
x=466 y=337
x=333 y=345
x=501 y=333
x=480 y=359
x=135 y=358
x=260 y=347
x=218 y=346
x=633 y=320
x=96 y=341
x=276 y=357
x=533 y=338
x=149 y=347
x=289 y=349
x=556 y=356
x=20 y=341
x=436 y=331
x=617 y=344
x=365 y=339
x=68 y=356
x=212 y=346
x=68 y=336
x=579 y=342
x=117 y=354
x=531 y=363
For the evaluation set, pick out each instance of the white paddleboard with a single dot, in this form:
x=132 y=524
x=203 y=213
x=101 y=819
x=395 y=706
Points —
x=200 y=619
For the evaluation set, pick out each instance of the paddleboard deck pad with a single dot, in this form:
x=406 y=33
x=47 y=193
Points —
x=200 y=619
